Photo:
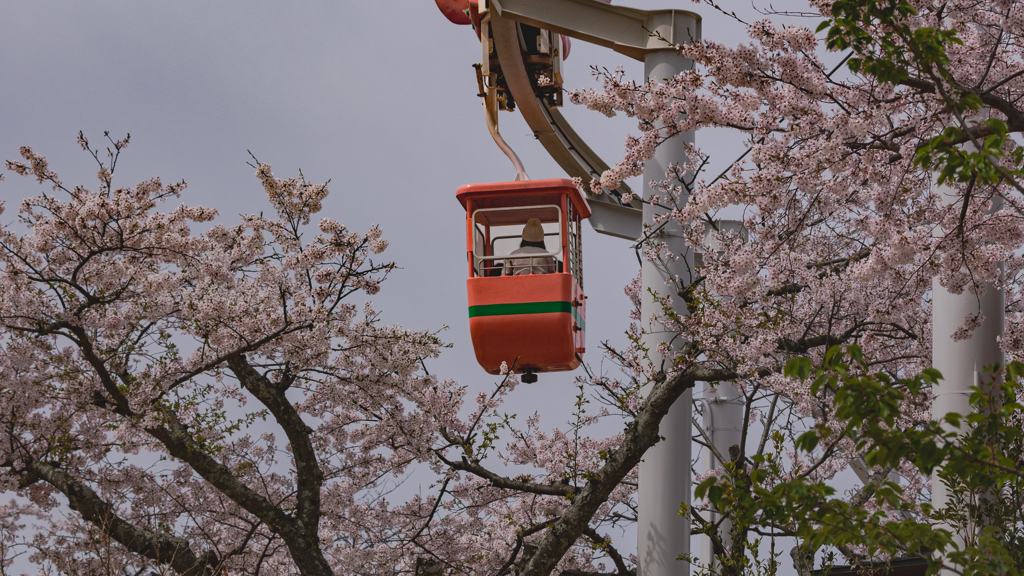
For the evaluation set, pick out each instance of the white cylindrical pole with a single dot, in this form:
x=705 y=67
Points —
x=962 y=362
x=723 y=422
x=664 y=475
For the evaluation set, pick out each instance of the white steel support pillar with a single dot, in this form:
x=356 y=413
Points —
x=962 y=363
x=664 y=474
x=723 y=422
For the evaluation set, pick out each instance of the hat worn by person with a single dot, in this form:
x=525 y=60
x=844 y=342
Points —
x=533 y=231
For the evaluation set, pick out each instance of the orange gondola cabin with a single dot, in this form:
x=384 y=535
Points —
x=527 y=310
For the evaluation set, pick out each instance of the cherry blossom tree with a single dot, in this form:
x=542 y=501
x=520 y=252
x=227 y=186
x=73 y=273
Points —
x=209 y=402
x=204 y=402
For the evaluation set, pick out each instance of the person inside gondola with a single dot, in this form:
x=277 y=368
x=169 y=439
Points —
x=532 y=243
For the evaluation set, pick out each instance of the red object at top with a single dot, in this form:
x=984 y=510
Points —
x=455 y=11
x=526 y=309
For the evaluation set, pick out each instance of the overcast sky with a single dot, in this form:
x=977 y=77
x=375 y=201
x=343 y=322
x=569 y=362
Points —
x=377 y=96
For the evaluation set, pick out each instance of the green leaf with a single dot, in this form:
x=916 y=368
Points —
x=807 y=442
x=799 y=368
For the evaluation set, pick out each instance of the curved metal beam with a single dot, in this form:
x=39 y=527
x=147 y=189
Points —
x=563 y=144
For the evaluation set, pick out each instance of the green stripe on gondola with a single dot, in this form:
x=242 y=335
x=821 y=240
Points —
x=527 y=308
